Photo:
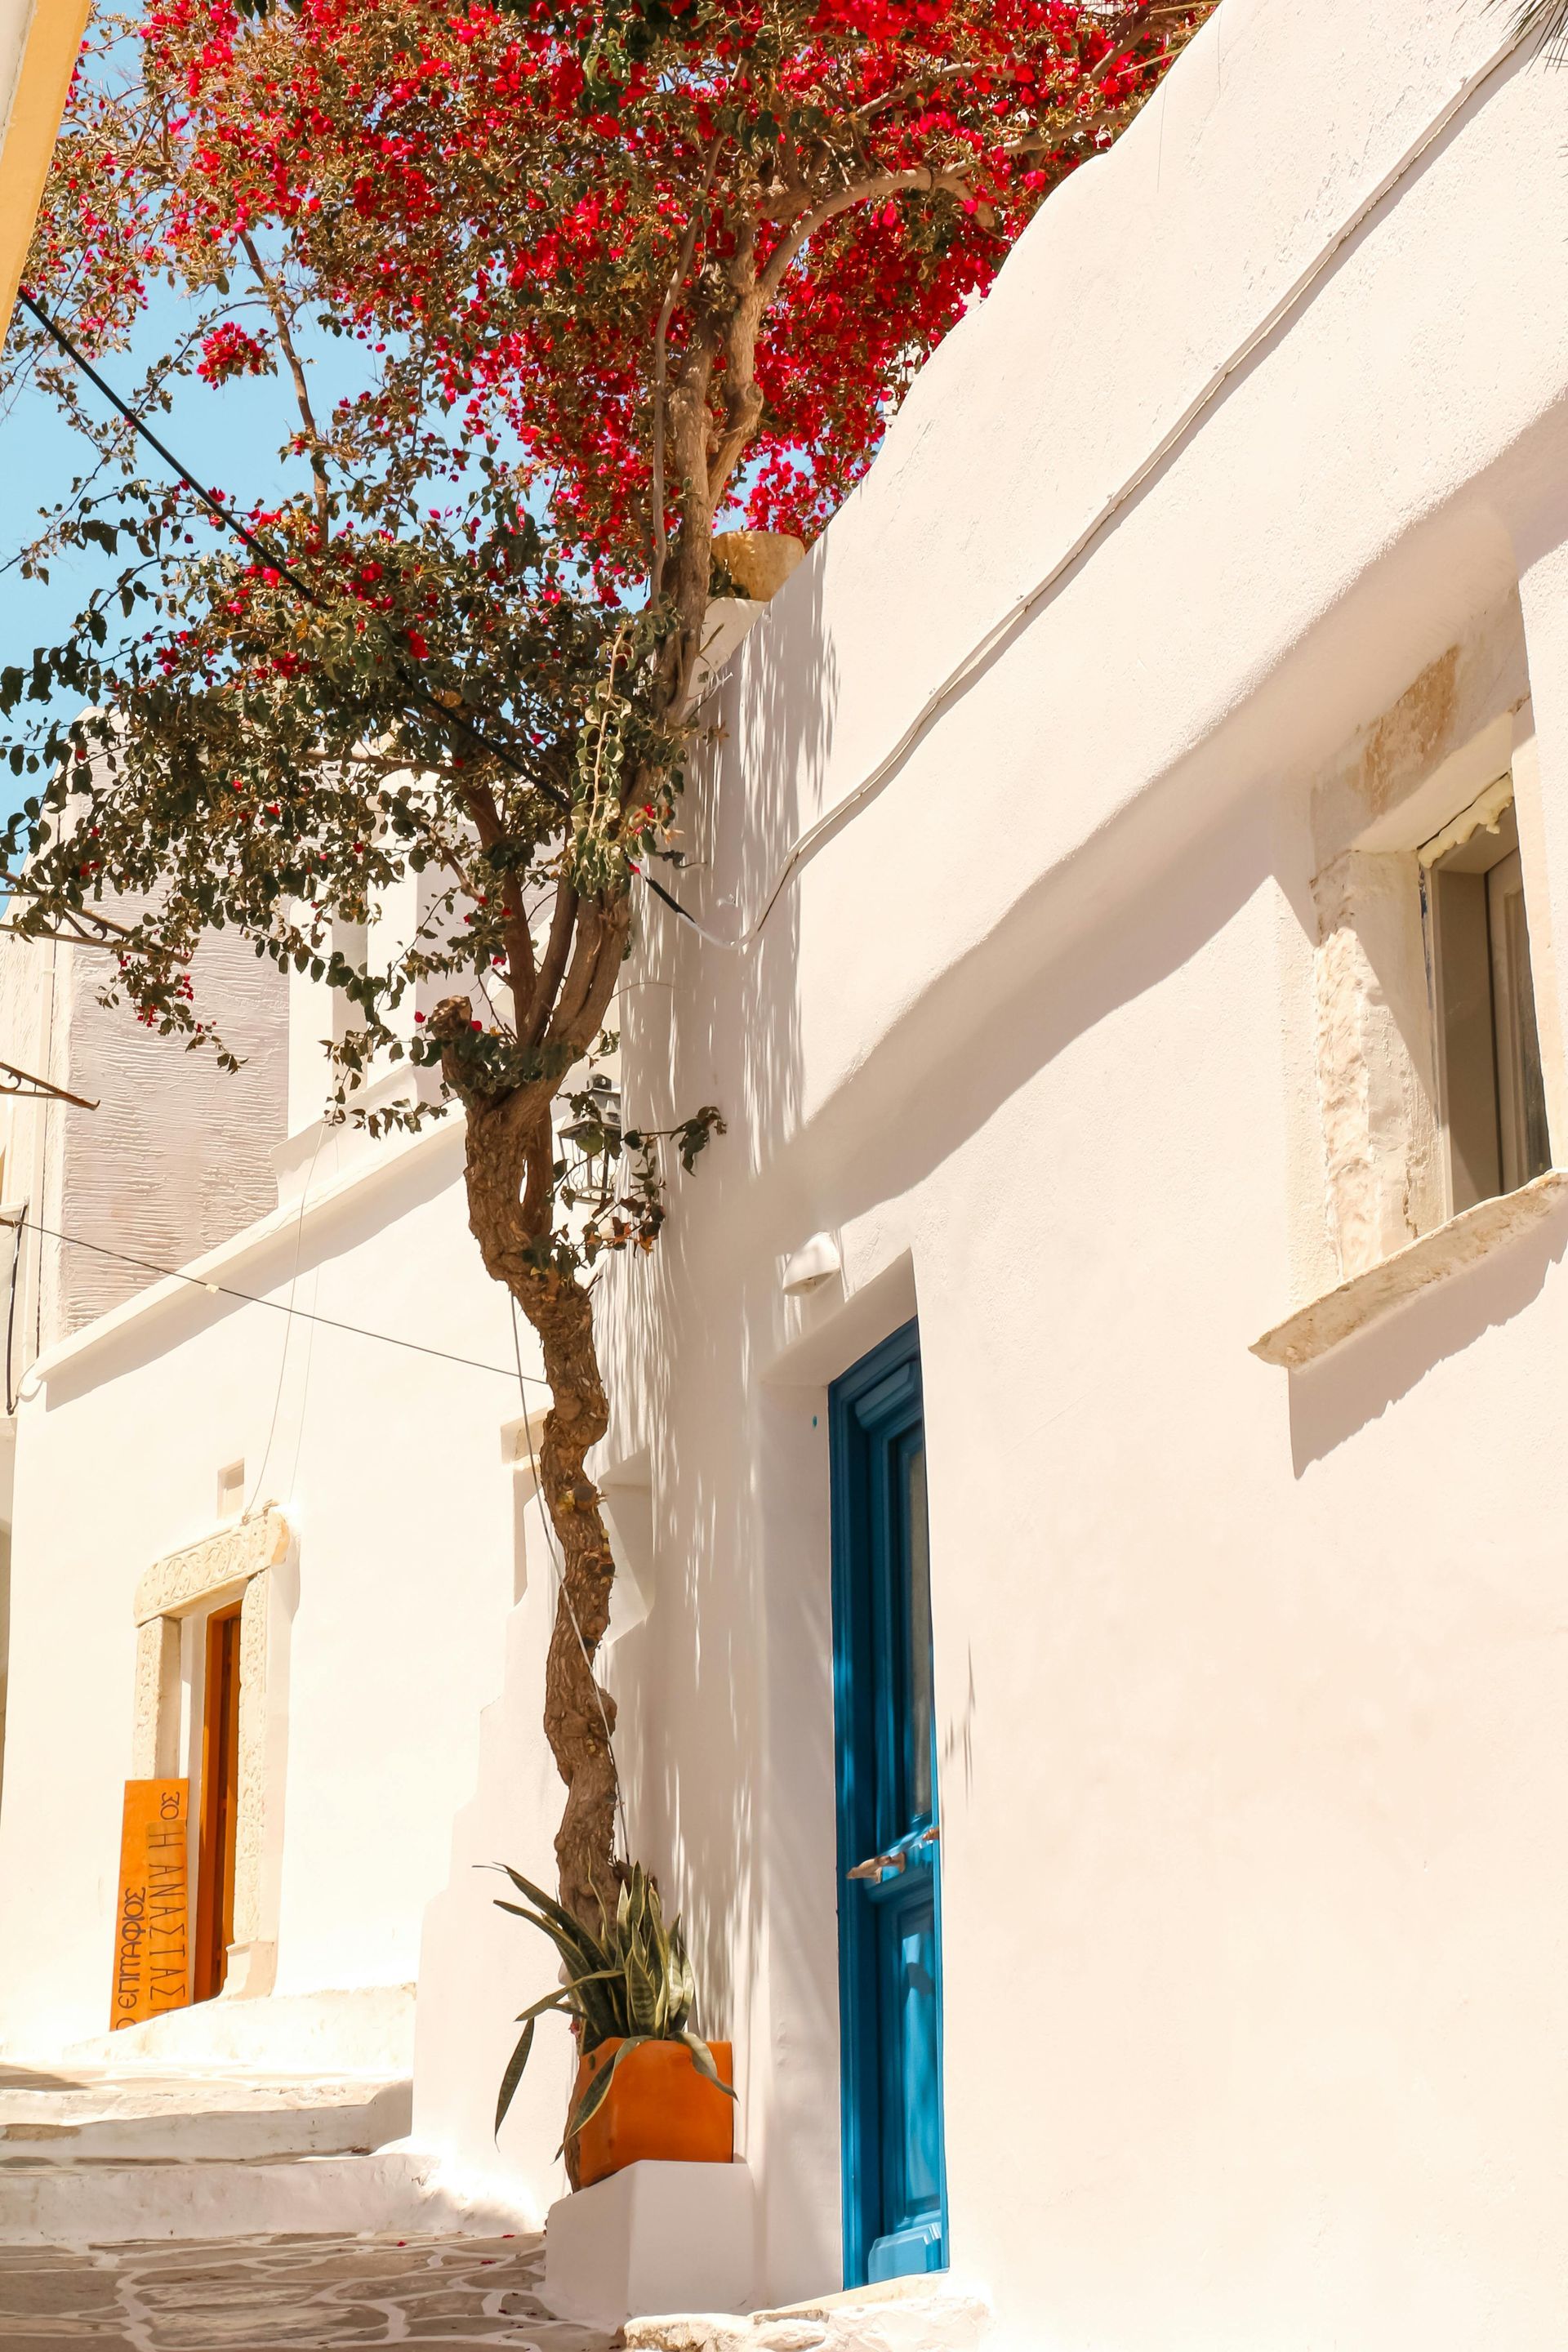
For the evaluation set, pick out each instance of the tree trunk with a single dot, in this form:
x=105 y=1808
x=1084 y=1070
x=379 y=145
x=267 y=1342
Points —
x=512 y=1202
x=579 y=1713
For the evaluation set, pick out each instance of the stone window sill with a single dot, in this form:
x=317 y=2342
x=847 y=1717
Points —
x=1340 y=1314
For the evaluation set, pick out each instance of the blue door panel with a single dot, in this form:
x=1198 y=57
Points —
x=895 y=2205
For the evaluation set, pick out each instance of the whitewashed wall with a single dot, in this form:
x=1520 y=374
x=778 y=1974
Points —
x=175 y=1158
x=407 y=1560
x=1252 y=1685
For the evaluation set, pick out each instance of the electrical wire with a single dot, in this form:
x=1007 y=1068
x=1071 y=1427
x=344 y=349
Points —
x=279 y=563
x=249 y=1298
x=549 y=1547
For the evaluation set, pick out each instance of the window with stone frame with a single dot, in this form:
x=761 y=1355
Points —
x=1422 y=1014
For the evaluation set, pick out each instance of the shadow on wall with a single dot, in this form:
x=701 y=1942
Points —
x=689 y=1680
x=1358 y=1381
x=1111 y=922
x=1084 y=942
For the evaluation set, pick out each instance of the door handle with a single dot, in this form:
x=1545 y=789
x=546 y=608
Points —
x=880 y=1866
x=897 y=1858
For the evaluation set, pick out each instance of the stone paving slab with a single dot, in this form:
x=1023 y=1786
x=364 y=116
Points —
x=281 y=2294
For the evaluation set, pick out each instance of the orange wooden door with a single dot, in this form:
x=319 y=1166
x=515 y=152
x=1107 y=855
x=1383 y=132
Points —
x=220 y=1777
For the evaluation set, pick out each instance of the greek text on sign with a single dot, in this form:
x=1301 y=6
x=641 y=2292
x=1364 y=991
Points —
x=151 y=1955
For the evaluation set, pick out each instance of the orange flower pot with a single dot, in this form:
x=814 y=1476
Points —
x=658 y=2106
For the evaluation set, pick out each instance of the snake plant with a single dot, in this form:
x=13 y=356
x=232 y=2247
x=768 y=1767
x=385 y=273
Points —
x=630 y=1983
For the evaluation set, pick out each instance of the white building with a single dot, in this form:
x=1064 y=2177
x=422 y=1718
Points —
x=1150 y=1072
x=1212 y=577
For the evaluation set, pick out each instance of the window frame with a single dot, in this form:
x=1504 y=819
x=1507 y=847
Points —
x=1481 y=1051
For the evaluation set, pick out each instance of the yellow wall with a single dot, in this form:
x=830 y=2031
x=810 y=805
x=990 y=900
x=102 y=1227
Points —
x=48 y=37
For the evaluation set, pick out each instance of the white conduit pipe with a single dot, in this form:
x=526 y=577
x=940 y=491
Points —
x=972 y=661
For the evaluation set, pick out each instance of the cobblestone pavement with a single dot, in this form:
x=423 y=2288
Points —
x=281 y=2294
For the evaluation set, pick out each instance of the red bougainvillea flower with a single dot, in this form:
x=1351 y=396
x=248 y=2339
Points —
x=228 y=352
x=529 y=211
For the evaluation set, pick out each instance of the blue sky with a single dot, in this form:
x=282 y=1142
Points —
x=229 y=438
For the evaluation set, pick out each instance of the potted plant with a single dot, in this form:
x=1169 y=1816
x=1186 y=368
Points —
x=647 y=2085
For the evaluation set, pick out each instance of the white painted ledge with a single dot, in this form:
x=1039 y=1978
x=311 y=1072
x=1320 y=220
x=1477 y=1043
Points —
x=653 y=2238
x=1476 y=1233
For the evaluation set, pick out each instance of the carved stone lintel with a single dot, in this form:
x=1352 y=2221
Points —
x=217 y=1565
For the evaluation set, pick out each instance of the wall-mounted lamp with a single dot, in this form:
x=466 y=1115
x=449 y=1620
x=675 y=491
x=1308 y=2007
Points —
x=815 y=1262
x=597 y=1118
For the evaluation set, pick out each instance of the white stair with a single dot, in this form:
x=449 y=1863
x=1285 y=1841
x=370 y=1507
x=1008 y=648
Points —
x=75 y=2114
x=94 y=2157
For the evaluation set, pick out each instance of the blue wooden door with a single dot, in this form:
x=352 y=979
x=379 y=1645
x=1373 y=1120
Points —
x=890 y=1895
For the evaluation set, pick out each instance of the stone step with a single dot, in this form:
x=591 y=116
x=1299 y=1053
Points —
x=921 y=2314
x=85 y=2115
x=392 y=2190
x=367 y=2032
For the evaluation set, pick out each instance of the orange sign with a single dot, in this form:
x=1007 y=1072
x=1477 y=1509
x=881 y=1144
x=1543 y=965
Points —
x=152 y=1960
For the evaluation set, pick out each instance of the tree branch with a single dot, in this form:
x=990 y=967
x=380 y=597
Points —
x=661 y=371
x=481 y=805
x=1131 y=33
x=273 y=295
x=551 y=965
x=926 y=179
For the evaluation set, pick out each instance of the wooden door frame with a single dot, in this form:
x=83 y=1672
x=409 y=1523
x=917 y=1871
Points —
x=217 y=1840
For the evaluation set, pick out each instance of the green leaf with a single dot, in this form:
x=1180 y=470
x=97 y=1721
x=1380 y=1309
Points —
x=513 y=2076
x=575 y=1985
x=604 y=2015
x=642 y=1995
x=521 y=1911
x=703 y=2059
x=546 y=2002
x=598 y=2090
x=555 y=1911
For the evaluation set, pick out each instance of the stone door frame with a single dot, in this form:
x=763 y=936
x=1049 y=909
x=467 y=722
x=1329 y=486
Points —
x=236 y=1563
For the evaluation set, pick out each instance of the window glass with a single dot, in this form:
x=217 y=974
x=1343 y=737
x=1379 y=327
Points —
x=1494 y=1103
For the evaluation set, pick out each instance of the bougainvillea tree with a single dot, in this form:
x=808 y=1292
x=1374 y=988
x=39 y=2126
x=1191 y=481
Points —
x=612 y=273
